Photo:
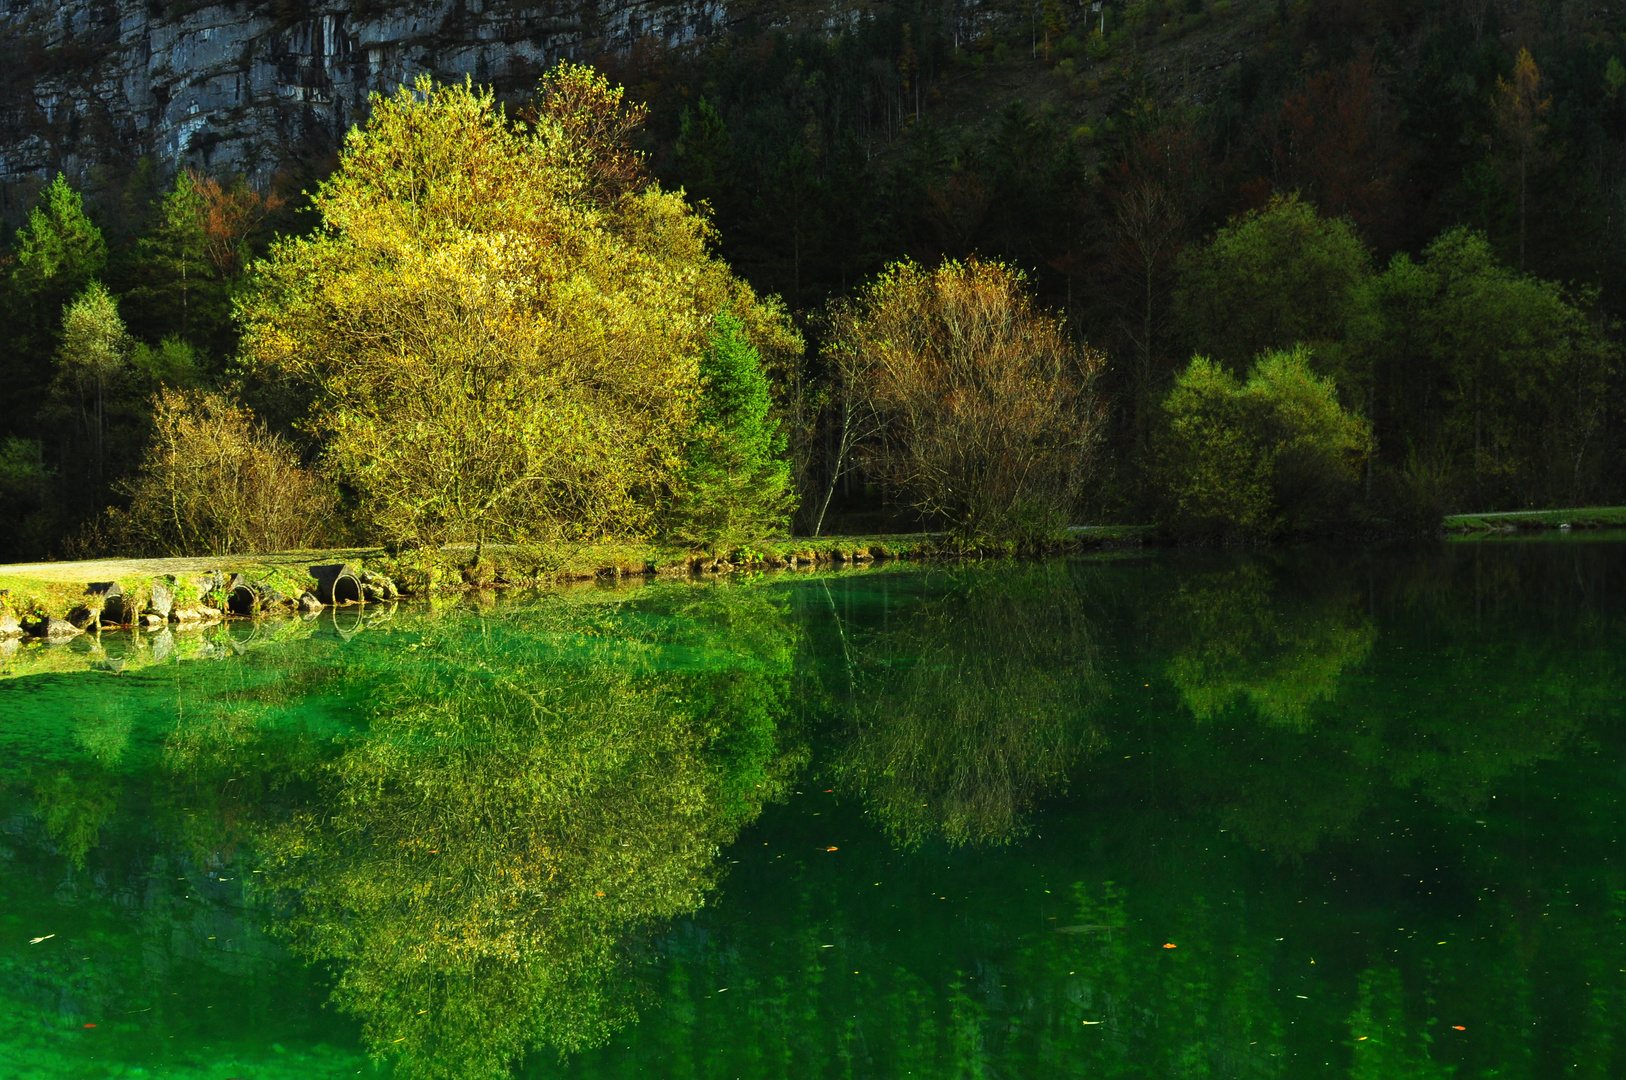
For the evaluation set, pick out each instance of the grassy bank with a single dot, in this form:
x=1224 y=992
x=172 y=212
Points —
x=53 y=589
x=1588 y=517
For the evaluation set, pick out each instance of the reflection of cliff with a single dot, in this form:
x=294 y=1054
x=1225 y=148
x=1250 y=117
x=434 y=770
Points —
x=975 y=707
x=1238 y=643
x=528 y=799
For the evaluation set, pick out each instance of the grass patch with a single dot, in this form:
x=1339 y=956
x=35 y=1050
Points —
x=1589 y=517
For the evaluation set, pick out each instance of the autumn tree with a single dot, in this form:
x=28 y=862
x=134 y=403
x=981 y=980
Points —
x=1520 y=113
x=988 y=416
x=1336 y=141
x=503 y=319
x=214 y=481
x=232 y=212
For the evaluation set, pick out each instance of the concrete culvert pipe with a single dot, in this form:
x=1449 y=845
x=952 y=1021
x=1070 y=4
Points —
x=337 y=583
x=244 y=599
x=112 y=612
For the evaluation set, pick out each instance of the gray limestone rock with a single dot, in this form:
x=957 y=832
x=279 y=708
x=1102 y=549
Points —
x=246 y=88
x=52 y=627
x=163 y=598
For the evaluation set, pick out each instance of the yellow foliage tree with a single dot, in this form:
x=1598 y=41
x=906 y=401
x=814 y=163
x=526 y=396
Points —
x=987 y=411
x=502 y=317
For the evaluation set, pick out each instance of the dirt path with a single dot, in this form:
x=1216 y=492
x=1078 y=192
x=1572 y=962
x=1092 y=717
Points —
x=110 y=569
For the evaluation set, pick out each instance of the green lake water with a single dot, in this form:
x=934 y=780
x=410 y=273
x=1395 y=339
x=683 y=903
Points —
x=1303 y=813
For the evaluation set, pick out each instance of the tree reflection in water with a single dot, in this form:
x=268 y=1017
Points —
x=974 y=708
x=531 y=795
x=1235 y=642
x=497 y=827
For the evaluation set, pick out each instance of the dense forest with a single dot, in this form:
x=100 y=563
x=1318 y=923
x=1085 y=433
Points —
x=1242 y=269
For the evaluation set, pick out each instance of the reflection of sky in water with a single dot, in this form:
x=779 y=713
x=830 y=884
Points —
x=1193 y=813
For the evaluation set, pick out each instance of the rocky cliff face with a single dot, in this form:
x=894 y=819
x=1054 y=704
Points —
x=244 y=87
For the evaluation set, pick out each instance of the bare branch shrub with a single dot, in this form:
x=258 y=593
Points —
x=215 y=482
x=988 y=415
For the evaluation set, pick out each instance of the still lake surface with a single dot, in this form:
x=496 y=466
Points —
x=1295 y=813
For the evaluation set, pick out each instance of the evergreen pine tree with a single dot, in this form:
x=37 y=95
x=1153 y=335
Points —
x=58 y=252
x=736 y=483
x=177 y=291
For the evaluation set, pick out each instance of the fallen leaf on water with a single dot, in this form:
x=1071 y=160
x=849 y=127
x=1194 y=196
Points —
x=829 y=849
x=37 y=940
x=598 y=894
x=1363 y=1038
x=90 y=1025
x=1088 y=1022
x=1458 y=1027
x=1170 y=945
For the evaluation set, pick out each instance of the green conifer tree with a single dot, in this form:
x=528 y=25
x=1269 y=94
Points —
x=177 y=292
x=736 y=483
x=58 y=252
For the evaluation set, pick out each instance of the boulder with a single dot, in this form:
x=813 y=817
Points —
x=162 y=598
x=193 y=617
x=83 y=617
x=9 y=626
x=309 y=604
x=152 y=618
x=52 y=628
x=372 y=593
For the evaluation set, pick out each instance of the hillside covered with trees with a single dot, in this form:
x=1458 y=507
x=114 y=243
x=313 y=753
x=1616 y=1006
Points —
x=1244 y=269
